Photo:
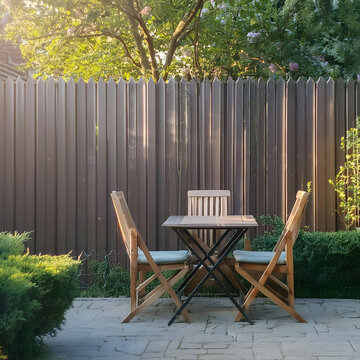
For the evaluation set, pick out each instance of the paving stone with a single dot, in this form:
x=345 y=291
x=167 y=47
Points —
x=157 y=346
x=267 y=350
x=246 y=354
x=318 y=348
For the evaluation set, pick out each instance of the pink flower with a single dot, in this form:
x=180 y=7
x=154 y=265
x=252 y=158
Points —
x=293 y=66
x=145 y=11
x=253 y=36
x=187 y=53
x=272 y=67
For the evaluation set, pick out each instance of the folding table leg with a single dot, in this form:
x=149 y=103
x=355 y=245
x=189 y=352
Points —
x=187 y=238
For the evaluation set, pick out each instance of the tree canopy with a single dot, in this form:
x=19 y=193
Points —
x=123 y=38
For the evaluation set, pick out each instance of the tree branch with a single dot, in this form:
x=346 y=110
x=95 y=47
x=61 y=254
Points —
x=151 y=48
x=198 y=69
x=138 y=41
x=181 y=27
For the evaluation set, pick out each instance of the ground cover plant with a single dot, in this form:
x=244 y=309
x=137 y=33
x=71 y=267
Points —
x=35 y=292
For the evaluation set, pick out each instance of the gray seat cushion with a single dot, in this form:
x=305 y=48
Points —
x=257 y=257
x=164 y=257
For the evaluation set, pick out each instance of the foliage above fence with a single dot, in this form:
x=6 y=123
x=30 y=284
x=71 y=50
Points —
x=64 y=146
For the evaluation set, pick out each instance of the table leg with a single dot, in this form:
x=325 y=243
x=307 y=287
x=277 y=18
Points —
x=187 y=238
x=207 y=257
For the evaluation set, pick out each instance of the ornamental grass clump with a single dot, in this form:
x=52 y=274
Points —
x=347 y=181
x=35 y=292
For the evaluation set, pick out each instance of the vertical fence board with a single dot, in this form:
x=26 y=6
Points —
x=205 y=134
x=81 y=167
x=193 y=135
x=19 y=155
x=9 y=174
x=71 y=219
x=171 y=189
x=141 y=158
x=229 y=139
x=290 y=146
x=252 y=152
x=132 y=135
x=29 y=199
x=50 y=186
x=330 y=198
x=310 y=150
x=102 y=194
x=91 y=165
x=61 y=167
x=111 y=164
x=216 y=131
x=271 y=149
x=301 y=137
x=246 y=145
x=238 y=195
x=183 y=156
x=281 y=141
x=340 y=106
x=161 y=162
x=151 y=190
x=3 y=121
x=350 y=104
x=261 y=161
x=320 y=153
x=121 y=158
x=40 y=168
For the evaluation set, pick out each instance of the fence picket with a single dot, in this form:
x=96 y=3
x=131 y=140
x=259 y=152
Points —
x=19 y=155
x=61 y=166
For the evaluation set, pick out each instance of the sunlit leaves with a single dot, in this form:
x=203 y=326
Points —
x=347 y=181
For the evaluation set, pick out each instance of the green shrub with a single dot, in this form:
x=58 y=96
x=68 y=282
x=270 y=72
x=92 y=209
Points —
x=12 y=244
x=347 y=181
x=326 y=263
x=35 y=292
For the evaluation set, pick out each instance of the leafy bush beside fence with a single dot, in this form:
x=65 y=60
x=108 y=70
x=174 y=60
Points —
x=35 y=292
x=326 y=263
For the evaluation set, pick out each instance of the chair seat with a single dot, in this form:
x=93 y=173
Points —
x=165 y=257
x=257 y=257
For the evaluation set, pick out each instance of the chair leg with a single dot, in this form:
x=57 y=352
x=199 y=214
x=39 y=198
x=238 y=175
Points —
x=142 y=277
x=259 y=287
x=156 y=293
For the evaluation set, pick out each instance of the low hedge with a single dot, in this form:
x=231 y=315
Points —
x=35 y=292
x=326 y=263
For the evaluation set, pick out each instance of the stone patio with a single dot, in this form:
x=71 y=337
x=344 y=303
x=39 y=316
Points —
x=93 y=330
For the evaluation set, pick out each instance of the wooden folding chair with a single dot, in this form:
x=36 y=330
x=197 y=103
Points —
x=265 y=269
x=142 y=260
x=209 y=203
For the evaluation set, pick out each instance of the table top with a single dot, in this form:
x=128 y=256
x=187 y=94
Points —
x=210 y=222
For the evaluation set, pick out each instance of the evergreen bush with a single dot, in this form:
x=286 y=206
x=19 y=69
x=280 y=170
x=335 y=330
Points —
x=35 y=292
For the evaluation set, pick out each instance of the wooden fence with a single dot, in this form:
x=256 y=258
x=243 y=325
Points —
x=64 y=146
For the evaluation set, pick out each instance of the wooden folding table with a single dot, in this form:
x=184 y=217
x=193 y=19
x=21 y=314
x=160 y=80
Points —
x=234 y=226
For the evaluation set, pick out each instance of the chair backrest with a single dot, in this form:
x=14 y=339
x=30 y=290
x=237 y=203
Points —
x=293 y=223
x=125 y=220
x=208 y=202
